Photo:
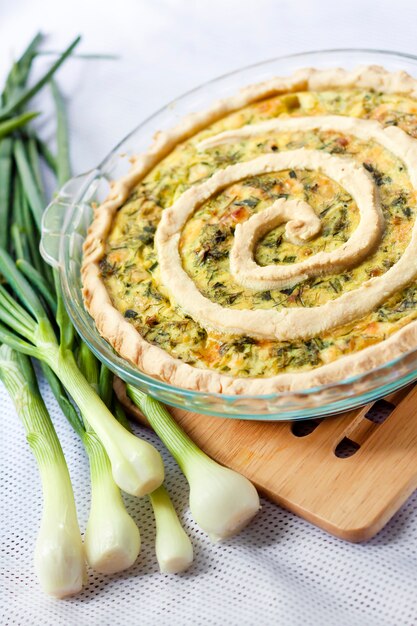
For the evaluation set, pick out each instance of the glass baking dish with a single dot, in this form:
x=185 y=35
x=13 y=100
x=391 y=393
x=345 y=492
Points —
x=68 y=216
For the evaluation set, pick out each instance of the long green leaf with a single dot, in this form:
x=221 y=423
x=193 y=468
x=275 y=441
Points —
x=18 y=102
x=7 y=317
x=17 y=215
x=86 y=55
x=88 y=365
x=47 y=155
x=18 y=311
x=39 y=282
x=21 y=286
x=6 y=147
x=19 y=71
x=18 y=228
x=25 y=62
x=106 y=385
x=10 y=339
x=34 y=160
x=23 y=215
x=65 y=326
x=9 y=126
x=120 y=415
x=29 y=182
x=32 y=237
x=20 y=244
x=63 y=159
x=11 y=86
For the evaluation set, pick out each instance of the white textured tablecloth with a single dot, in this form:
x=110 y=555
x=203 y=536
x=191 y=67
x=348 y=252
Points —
x=280 y=570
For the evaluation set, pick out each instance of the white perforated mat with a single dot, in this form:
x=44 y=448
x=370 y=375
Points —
x=280 y=570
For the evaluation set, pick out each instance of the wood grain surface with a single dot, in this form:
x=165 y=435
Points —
x=351 y=496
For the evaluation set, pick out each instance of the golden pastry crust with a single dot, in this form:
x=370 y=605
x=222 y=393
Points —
x=155 y=361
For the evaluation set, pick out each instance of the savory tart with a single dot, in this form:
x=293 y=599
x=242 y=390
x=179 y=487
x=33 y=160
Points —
x=268 y=243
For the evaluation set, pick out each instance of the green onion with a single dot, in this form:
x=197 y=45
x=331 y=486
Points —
x=112 y=539
x=174 y=550
x=59 y=557
x=136 y=465
x=221 y=500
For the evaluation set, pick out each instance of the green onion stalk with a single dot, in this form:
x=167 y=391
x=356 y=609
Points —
x=59 y=555
x=222 y=501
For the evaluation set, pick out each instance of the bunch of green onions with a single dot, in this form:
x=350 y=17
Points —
x=34 y=325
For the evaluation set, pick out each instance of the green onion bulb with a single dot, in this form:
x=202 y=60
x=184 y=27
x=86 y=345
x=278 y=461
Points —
x=112 y=539
x=221 y=500
x=173 y=547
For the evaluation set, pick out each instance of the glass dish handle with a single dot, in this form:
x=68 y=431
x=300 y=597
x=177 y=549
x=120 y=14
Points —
x=58 y=214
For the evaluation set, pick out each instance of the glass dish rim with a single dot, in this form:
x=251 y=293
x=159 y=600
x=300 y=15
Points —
x=132 y=371
x=293 y=55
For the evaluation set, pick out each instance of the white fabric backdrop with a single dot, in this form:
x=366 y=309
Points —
x=280 y=570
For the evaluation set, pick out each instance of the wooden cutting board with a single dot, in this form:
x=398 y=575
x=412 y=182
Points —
x=347 y=474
